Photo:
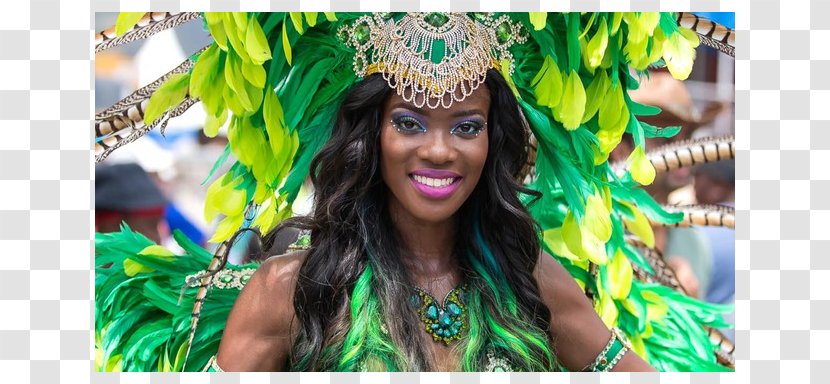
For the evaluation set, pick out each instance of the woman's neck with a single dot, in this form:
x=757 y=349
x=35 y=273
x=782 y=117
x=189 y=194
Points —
x=428 y=249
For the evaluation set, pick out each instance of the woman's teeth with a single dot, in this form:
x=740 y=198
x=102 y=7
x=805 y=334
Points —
x=435 y=183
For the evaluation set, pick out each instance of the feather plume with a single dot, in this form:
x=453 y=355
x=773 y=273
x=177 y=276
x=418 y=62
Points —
x=149 y=24
x=686 y=153
x=703 y=215
x=711 y=33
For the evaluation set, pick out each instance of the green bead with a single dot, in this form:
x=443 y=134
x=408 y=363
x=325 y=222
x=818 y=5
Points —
x=226 y=278
x=361 y=33
x=498 y=368
x=504 y=33
x=436 y=19
x=244 y=279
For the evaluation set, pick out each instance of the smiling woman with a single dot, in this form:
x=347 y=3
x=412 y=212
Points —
x=415 y=130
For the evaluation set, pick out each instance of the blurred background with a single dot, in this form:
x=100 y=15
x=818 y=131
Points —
x=157 y=183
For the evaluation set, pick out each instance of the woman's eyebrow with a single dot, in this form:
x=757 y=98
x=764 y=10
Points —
x=410 y=107
x=469 y=112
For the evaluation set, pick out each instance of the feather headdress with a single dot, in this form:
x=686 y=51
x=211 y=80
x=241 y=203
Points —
x=277 y=79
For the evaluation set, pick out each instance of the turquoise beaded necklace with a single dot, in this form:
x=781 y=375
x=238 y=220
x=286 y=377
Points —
x=446 y=321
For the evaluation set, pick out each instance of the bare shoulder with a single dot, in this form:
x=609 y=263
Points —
x=261 y=327
x=556 y=285
x=278 y=274
x=271 y=290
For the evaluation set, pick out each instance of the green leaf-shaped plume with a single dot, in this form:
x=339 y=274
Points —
x=126 y=21
x=256 y=43
x=167 y=96
x=572 y=106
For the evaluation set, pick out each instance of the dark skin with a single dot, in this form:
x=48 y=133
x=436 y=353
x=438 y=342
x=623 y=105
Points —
x=260 y=332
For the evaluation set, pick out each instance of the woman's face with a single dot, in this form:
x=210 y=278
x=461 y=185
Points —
x=431 y=159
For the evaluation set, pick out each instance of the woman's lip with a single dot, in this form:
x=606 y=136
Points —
x=436 y=192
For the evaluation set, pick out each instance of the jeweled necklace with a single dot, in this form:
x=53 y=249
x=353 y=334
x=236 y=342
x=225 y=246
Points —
x=445 y=323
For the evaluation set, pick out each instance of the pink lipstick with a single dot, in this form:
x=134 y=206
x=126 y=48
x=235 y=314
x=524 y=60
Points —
x=435 y=183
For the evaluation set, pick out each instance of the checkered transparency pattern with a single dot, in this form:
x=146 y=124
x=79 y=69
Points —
x=783 y=141
x=45 y=217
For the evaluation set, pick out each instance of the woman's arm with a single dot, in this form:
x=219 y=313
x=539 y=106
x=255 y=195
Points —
x=259 y=333
x=579 y=335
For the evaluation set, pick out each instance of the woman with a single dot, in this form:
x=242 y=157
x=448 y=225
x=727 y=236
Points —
x=393 y=234
x=420 y=194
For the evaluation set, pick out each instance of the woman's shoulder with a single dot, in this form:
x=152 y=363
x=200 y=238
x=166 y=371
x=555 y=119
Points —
x=549 y=271
x=261 y=327
x=557 y=287
x=269 y=295
x=277 y=276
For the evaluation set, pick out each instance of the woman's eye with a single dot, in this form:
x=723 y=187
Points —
x=407 y=125
x=468 y=129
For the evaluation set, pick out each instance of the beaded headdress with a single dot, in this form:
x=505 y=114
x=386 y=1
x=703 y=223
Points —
x=433 y=58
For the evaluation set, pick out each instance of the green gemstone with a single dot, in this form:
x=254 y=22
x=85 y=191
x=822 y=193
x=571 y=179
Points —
x=454 y=309
x=445 y=320
x=343 y=35
x=415 y=301
x=498 y=368
x=436 y=19
x=361 y=33
x=481 y=17
x=503 y=33
x=432 y=312
x=244 y=279
x=225 y=278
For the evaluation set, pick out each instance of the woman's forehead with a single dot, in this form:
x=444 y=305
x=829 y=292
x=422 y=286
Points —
x=478 y=99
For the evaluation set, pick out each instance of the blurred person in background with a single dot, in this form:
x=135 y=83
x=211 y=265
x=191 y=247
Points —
x=686 y=249
x=715 y=184
x=126 y=193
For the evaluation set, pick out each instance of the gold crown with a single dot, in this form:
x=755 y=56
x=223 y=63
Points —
x=432 y=59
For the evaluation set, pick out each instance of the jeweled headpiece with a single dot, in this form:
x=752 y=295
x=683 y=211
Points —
x=433 y=58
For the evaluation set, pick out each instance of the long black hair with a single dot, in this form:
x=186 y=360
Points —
x=353 y=278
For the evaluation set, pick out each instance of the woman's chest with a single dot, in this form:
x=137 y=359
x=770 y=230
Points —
x=443 y=358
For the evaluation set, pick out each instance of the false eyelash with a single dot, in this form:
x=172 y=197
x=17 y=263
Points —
x=397 y=123
x=478 y=126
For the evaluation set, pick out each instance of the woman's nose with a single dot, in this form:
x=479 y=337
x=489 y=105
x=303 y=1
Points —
x=438 y=148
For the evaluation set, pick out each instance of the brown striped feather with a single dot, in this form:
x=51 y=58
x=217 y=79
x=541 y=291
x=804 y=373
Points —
x=711 y=33
x=702 y=215
x=150 y=24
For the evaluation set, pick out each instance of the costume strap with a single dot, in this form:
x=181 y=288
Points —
x=611 y=354
x=213 y=366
